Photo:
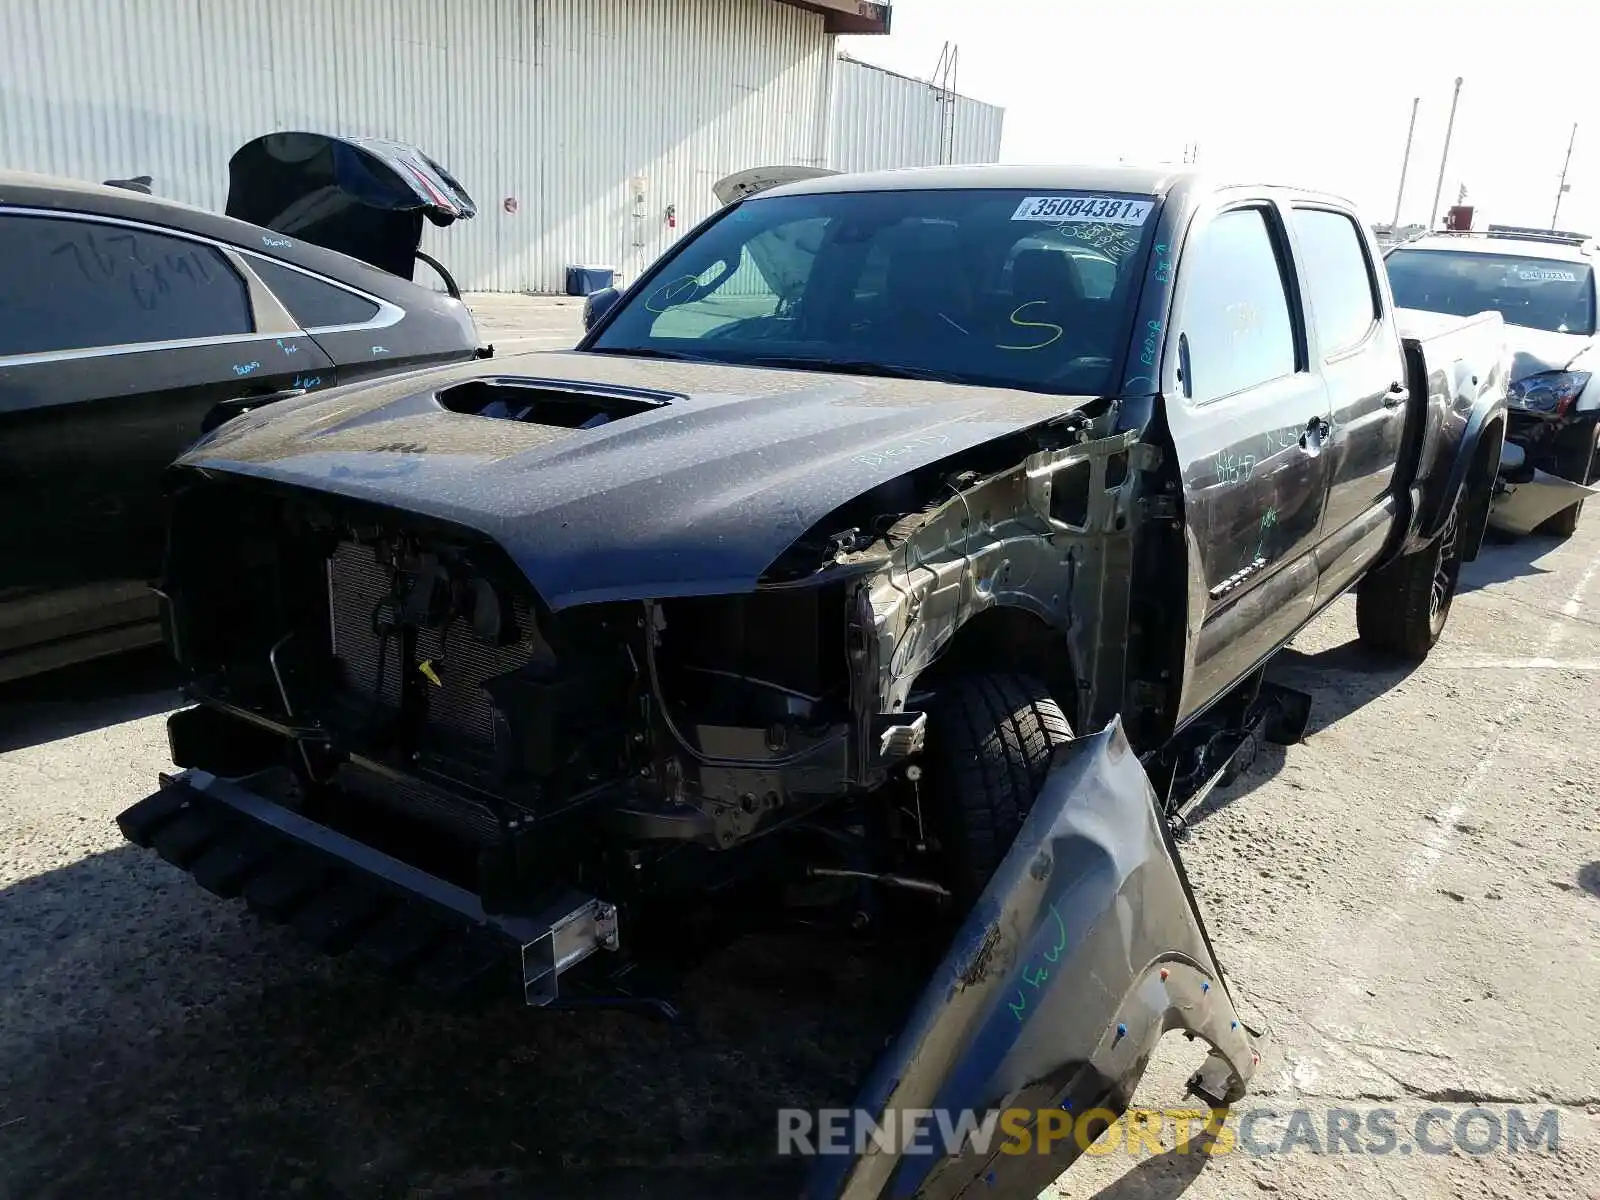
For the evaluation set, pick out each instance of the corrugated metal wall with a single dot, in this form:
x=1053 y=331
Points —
x=883 y=120
x=562 y=105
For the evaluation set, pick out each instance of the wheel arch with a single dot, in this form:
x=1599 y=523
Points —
x=1010 y=638
x=1483 y=466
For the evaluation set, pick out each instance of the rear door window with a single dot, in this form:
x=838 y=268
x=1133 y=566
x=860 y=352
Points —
x=1237 y=319
x=77 y=285
x=313 y=303
x=1338 y=278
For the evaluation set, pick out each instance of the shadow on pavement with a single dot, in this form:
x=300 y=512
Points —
x=1340 y=680
x=1163 y=1176
x=1347 y=677
x=1589 y=878
x=92 y=695
x=1503 y=558
x=158 y=1042
x=712 y=1183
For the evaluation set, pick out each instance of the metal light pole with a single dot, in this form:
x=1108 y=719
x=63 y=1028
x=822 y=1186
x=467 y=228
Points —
x=1444 y=157
x=1394 y=226
x=1562 y=186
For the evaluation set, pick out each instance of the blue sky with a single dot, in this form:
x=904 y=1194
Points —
x=1313 y=95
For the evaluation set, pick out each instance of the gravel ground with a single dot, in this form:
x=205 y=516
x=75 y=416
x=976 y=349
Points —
x=1410 y=901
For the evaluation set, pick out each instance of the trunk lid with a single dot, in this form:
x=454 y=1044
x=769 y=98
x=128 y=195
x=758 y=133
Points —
x=365 y=197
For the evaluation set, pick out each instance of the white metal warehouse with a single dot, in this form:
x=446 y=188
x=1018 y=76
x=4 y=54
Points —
x=882 y=119
x=588 y=131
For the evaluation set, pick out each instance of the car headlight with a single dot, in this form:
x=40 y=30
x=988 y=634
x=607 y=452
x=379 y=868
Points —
x=1548 y=392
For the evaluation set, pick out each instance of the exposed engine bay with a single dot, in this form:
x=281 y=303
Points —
x=412 y=670
x=396 y=680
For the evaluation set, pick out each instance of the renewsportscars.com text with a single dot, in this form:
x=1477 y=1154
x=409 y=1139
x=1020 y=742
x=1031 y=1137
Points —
x=1258 y=1130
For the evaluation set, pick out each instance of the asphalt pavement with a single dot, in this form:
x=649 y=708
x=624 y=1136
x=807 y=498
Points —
x=1409 y=901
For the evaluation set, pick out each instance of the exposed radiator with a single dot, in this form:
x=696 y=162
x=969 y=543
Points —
x=360 y=592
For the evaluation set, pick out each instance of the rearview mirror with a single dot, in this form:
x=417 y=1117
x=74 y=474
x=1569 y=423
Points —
x=597 y=305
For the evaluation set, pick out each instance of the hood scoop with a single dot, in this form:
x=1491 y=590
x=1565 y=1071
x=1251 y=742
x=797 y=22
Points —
x=549 y=402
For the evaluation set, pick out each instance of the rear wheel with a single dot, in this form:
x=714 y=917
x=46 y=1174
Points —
x=990 y=741
x=1402 y=608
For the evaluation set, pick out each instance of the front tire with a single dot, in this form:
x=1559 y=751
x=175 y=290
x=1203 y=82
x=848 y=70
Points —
x=1402 y=608
x=990 y=742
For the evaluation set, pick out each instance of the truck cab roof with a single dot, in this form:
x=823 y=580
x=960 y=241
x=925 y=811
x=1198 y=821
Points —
x=1147 y=181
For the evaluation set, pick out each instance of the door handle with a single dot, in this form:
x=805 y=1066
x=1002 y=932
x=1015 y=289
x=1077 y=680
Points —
x=1397 y=395
x=1316 y=429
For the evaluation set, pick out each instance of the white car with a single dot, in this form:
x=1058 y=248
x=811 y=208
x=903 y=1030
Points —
x=1543 y=283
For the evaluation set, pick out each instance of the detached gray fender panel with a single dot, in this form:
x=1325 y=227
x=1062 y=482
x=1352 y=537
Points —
x=1084 y=949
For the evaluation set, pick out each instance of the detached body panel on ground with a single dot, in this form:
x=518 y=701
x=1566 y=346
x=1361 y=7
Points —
x=785 y=594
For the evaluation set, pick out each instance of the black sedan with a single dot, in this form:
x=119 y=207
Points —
x=128 y=326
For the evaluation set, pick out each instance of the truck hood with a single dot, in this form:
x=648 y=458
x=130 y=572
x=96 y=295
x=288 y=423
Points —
x=1537 y=350
x=697 y=495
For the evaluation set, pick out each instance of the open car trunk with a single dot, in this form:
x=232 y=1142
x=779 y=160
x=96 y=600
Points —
x=365 y=197
x=743 y=184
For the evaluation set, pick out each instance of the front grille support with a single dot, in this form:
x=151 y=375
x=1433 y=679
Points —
x=345 y=895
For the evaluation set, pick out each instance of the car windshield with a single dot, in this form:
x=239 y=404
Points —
x=1539 y=293
x=1013 y=288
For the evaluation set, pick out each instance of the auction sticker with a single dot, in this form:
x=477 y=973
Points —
x=1542 y=274
x=1107 y=210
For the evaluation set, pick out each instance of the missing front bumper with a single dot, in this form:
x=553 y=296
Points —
x=343 y=895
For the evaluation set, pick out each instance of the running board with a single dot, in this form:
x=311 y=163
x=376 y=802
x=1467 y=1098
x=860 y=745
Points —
x=342 y=895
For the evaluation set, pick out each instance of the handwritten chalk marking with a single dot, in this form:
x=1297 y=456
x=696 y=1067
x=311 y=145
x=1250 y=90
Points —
x=1039 y=975
x=1053 y=338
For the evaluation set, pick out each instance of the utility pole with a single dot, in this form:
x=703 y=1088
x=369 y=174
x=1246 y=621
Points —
x=1561 y=188
x=1394 y=226
x=1444 y=157
x=944 y=82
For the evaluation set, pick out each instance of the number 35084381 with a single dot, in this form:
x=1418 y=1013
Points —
x=1110 y=210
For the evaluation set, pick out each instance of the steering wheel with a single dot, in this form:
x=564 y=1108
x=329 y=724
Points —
x=674 y=293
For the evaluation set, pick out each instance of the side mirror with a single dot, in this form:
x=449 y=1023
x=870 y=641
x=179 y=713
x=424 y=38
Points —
x=597 y=305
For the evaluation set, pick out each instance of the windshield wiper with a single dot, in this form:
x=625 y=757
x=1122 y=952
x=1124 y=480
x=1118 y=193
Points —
x=849 y=366
x=845 y=366
x=652 y=352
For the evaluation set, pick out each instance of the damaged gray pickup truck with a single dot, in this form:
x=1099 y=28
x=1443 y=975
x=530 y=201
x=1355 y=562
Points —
x=906 y=546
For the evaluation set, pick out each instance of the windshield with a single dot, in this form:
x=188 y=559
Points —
x=997 y=287
x=1539 y=293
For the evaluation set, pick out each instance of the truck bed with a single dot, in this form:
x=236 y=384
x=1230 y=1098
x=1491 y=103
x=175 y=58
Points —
x=1451 y=363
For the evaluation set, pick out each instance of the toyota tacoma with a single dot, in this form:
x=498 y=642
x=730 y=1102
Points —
x=907 y=545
